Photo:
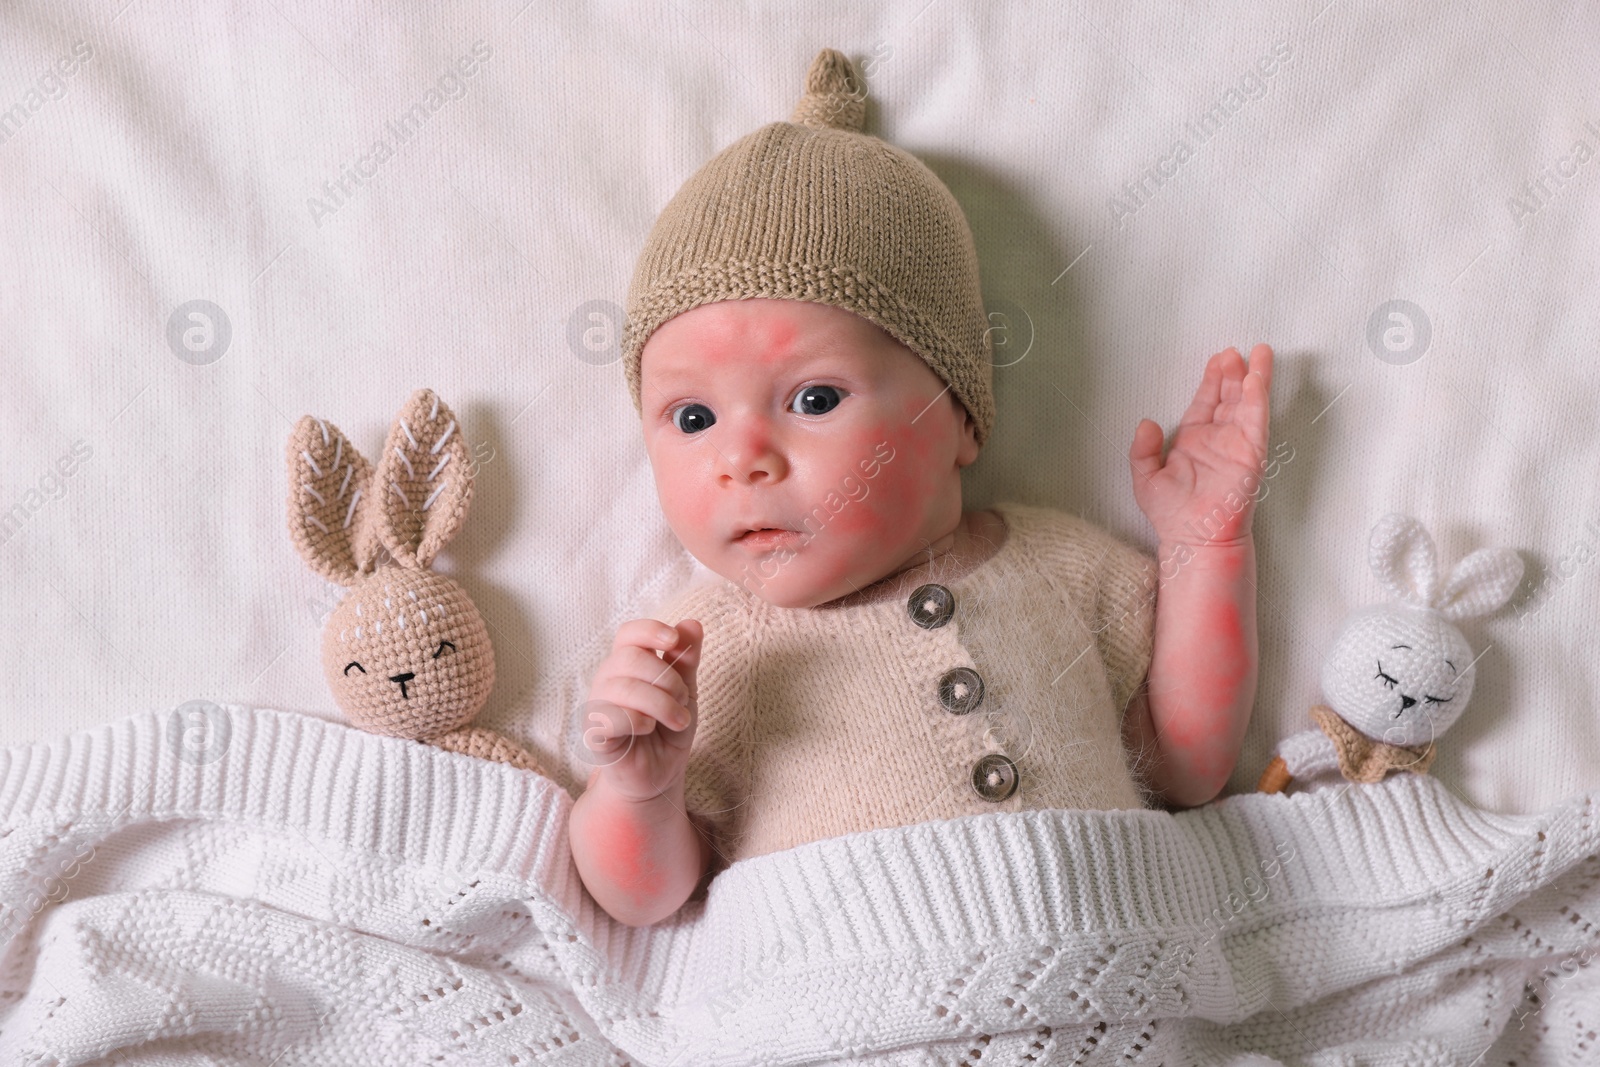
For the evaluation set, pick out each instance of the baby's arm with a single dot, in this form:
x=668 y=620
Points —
x=1202 y=679
x=636 y=850
x=1190 y=721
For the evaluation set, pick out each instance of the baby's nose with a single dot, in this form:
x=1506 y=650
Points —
x=1406 y=702
x=754 y=458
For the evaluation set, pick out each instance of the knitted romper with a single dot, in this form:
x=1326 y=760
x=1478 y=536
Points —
x=1001 y=690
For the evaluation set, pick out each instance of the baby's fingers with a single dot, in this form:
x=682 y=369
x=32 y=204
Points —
x=1144 y=455
x=1254 y=410
x=1261 y=361
x=685 y=659
x=646 y=666
x=645 y=633
x=607 y=728
x=610 y=729
x=1209 y=393
x=646 y=704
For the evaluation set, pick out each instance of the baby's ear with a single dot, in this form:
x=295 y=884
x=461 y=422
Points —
x=967 y=453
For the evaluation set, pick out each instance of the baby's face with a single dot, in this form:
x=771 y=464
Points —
x=809 y=423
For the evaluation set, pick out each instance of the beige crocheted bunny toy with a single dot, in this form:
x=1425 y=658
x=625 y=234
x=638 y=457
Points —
x=1399 y=673
x=405 y=653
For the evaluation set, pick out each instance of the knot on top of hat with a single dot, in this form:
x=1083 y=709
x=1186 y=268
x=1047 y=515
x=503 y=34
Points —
x=836 y=96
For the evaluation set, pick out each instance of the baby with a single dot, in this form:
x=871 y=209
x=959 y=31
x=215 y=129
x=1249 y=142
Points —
x=809 y=353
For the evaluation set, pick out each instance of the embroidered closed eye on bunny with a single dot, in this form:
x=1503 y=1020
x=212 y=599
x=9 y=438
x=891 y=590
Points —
x=1400 y=673
x=406 y=653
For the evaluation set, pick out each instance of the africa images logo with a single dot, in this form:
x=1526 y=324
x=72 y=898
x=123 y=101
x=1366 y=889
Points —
x=52 y=485
x=49 y=86
x=450 y=85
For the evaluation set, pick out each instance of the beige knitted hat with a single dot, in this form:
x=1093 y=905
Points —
x=814 y=209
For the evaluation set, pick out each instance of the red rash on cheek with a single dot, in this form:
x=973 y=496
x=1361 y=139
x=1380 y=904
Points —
x=624 y=854
x=895 y=494
x=873 y=510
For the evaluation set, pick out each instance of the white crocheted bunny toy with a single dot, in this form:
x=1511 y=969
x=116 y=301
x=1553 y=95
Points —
x=1399 y=673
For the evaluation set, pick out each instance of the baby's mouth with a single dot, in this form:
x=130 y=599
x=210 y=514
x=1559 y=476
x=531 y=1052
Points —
x=767 y=538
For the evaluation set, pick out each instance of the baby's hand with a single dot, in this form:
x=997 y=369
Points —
x=634 y=690
x=1205 y=492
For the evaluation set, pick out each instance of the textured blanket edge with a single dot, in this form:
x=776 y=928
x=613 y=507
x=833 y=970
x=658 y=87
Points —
x=1007 y=924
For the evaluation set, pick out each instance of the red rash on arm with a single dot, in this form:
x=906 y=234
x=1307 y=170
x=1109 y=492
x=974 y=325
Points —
x=1202 y=678
x=622 y=852
x=639 y=860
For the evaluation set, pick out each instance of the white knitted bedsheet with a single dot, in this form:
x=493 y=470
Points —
x=277 y=889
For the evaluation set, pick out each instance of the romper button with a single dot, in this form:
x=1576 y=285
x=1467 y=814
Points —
x=994 y=777
x=931 y=606
x=960 y=690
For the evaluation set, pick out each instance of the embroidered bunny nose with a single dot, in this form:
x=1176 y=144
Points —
x=1406 y=702
x=408 y=675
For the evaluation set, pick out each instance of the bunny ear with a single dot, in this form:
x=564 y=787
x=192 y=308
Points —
x=1480 y=583
x=329 y=488
x=423 y=481
x=1401 y=554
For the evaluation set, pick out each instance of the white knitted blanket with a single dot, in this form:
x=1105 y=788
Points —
x=289 y=891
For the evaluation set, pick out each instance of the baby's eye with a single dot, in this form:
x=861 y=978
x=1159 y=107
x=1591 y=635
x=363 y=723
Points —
x=442 y=646
x=815 y=400
x=1388 y=680
x=356 y=665
x=1437 y=700
x=692 y=418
